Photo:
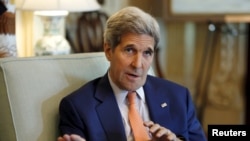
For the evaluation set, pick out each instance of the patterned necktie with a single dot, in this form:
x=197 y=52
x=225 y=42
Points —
x=139 y=130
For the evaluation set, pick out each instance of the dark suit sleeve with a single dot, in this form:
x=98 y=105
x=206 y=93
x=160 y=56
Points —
x=196 y=132
x=70 y=122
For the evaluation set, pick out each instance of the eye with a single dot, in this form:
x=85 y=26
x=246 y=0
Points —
x=129 y=50
x=148 y=53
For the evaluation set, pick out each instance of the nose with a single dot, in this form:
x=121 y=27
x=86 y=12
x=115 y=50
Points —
x=137 y=61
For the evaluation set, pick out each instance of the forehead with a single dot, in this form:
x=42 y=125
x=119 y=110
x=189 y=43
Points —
x=138 y=39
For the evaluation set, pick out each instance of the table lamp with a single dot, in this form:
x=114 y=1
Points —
x=53 y=13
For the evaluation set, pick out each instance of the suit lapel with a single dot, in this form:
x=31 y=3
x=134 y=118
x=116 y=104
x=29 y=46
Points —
x=158 y=103
x=108 y=112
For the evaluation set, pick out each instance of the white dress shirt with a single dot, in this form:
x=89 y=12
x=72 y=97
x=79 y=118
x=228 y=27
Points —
x=123 y=106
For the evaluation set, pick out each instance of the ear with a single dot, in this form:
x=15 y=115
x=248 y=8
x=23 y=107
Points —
x=107 y=51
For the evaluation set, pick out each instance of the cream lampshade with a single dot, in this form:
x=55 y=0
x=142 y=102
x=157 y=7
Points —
x=68 y=5
x=52 y=13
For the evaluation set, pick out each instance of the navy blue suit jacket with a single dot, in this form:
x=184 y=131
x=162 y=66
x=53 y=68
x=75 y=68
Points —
x=92 y=111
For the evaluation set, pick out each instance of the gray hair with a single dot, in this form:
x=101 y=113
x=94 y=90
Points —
x=130 y=20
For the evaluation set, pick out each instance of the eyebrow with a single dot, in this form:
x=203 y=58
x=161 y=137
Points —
x=150 y=49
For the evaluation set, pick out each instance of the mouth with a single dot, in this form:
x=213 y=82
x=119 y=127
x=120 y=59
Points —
x=132 y=75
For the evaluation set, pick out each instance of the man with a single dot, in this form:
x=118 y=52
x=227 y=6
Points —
x=99 y=111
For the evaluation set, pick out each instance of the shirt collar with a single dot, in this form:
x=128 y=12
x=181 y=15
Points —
x=121 y=94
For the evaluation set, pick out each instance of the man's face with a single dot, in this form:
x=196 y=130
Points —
x=130 y=60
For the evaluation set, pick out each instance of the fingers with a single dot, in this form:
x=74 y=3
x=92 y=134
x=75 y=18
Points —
x=77 y=138
x=60 y=139
x=159 y=132
x=171 y=136
x=64 y=138
x=148 y=123
x=72 y=137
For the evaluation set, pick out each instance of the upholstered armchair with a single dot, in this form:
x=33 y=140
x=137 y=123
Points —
x=31 y=89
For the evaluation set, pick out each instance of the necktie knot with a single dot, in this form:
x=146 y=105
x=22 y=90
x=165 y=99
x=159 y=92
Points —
x=132 y=97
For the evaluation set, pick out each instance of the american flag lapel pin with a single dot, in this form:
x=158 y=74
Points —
x=164 y=105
